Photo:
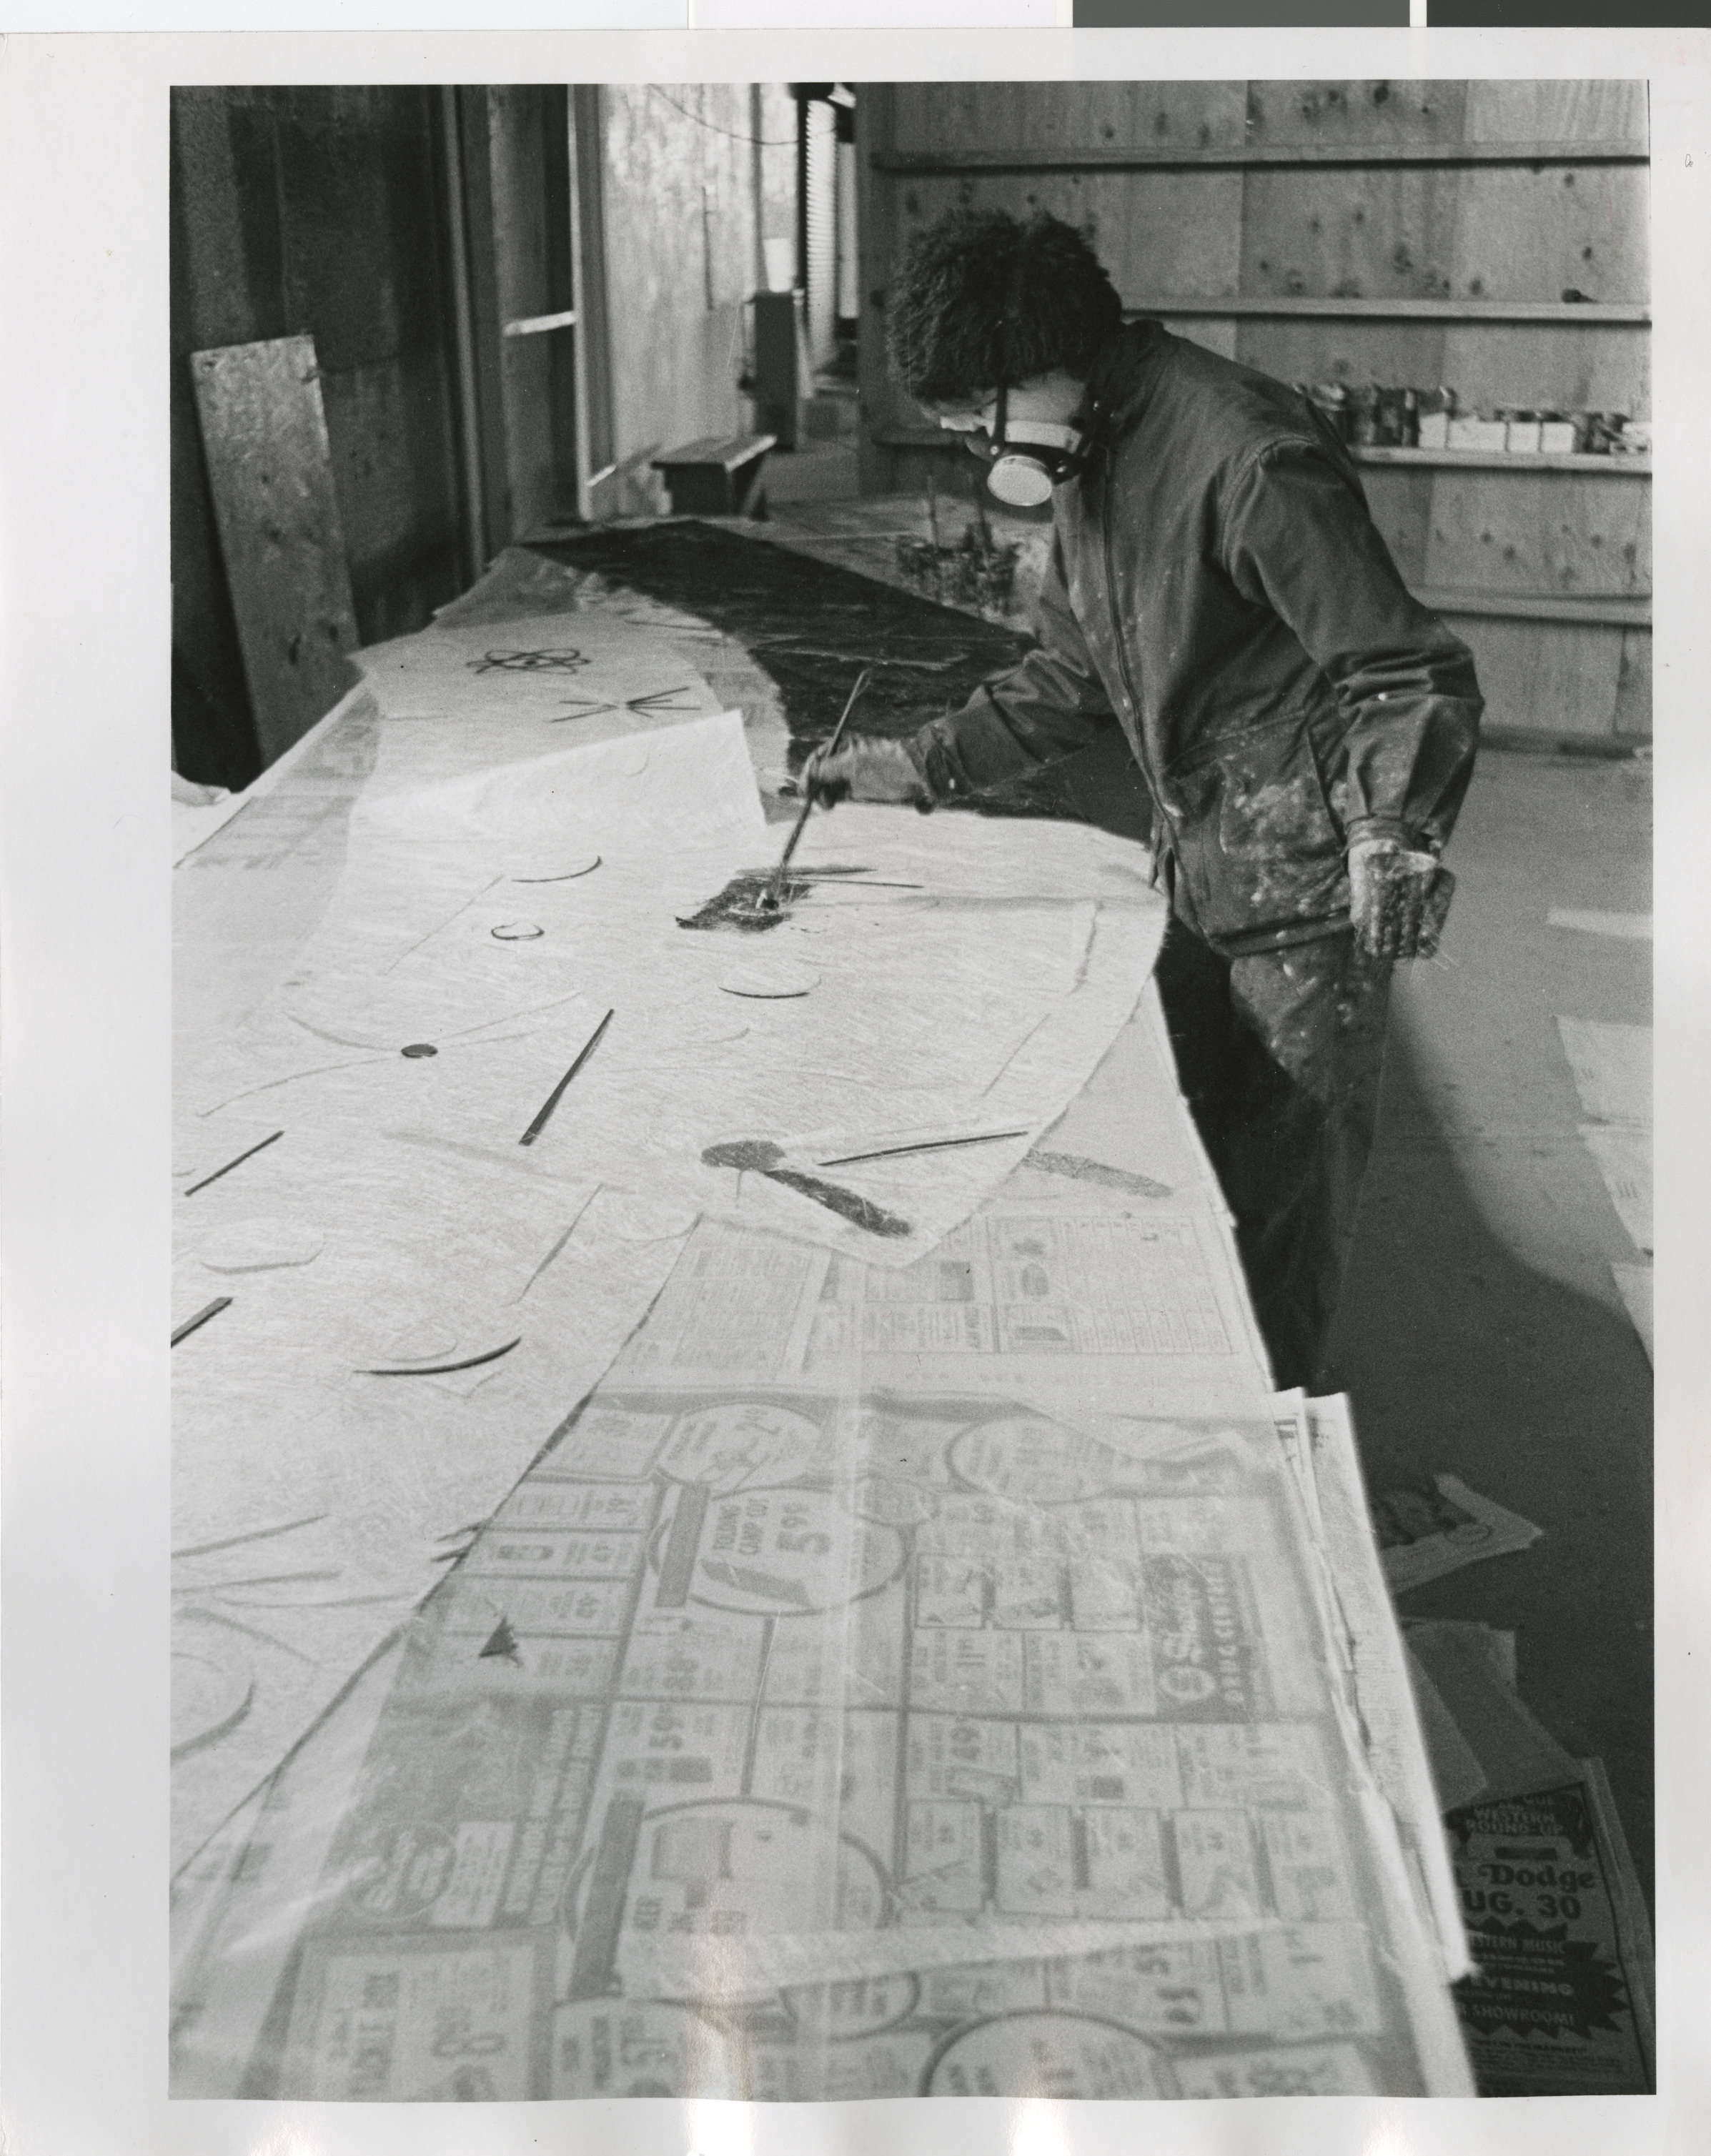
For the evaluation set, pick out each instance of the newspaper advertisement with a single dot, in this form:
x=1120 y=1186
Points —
x=1559 y=2002
x=782 y=1742
x=1139 y=1310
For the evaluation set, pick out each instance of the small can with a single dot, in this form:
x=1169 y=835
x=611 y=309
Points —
x=1390 y=417
x=1363 y=415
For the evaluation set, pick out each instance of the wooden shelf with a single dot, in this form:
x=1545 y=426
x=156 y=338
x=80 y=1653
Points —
x=1615 y=467
x=1621 y=466
x=1149 y=158
x=1252 y=307
x=1604 y=609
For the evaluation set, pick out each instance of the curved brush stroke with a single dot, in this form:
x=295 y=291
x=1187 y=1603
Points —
x=252 y=1535
x=442 y=1369
x=253 y=1632
x=204 y=1737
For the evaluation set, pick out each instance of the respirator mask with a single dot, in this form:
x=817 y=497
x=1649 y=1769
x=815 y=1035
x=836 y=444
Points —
x=1027 y=457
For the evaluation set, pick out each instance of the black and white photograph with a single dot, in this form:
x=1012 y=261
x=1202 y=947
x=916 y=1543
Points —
x=912 y=1078
x=900 y=1344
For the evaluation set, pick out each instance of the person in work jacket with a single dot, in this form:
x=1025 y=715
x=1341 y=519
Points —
x=1305 y=728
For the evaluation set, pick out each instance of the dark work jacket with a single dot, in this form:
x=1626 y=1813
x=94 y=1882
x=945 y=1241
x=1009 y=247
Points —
x=1218 y=589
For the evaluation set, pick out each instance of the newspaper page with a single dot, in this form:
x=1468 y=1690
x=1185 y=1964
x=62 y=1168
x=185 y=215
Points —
x=1560 y=2003
x=1135 y=1310
x=1374 y=1657
x=786 y=1740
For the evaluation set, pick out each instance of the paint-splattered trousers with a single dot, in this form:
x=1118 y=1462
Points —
x=1279 y=1056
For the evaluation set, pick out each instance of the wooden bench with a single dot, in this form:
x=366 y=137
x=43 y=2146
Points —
x=718 y=476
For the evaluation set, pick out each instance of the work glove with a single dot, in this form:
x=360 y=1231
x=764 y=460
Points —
x=865 y=767
x=1398 y=899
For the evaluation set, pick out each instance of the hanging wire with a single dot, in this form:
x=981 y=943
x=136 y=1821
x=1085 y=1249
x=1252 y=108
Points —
x=712 y=126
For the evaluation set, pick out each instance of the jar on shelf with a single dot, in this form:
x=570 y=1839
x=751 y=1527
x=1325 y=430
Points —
x=1363 y=415
x=1436 y=409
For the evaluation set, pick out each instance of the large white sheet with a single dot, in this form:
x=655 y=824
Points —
x=966 y=980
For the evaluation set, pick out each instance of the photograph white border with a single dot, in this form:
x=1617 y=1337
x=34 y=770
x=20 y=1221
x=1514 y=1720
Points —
x=84 y=1078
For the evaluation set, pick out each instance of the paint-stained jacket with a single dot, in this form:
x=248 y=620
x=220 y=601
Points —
x=1218 y=588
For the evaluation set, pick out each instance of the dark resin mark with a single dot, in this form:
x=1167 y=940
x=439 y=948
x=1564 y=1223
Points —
x=745 y=902
x=762 y=1158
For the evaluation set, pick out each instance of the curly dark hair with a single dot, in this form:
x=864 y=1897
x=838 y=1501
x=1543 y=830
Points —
x=984 y=302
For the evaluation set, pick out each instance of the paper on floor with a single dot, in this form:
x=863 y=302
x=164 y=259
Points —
x=1441 y=1526
x=1455 y=1768
x=1515 y=1751
x=1634 y=1284
x=1612 y=1068
x=1634 y=927
x=1623 y=1153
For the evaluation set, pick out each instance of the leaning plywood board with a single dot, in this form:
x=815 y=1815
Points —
x=263 y=432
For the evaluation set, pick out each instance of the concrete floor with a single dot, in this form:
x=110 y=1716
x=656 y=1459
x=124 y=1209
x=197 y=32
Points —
x=1481 y=1334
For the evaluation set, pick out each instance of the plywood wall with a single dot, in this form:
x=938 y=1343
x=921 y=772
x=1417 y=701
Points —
x=681 y=254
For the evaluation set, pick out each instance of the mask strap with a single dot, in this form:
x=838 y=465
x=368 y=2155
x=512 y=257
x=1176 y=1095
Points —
x=1001 y=417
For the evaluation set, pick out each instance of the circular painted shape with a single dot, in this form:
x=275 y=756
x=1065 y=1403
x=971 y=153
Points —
x=551 y=871
x=419 y=1048
x=253 y=1246
x=518 y=932
x=1047 y=2055
x=776 y=978
x=634 y=1219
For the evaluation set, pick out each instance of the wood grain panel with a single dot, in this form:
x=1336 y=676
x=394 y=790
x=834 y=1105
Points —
x=264 y=432
x=1400 y=502
x=882 y=110
x=1178 y=233
x=1315 y=114
x=679 y=232
x=1545 y=111
x=1633 y=686
x=1543 y=677
x=908 y=125
x=390 y=439
x=1533 y=235
x=1594 y=369
x=1212 y=332
x=1539 y=532
x=1401 y=354
x=1348 y=233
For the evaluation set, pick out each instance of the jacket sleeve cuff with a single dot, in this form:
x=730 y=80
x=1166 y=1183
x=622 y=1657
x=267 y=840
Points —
x=970 y=751
x=1363 y=830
